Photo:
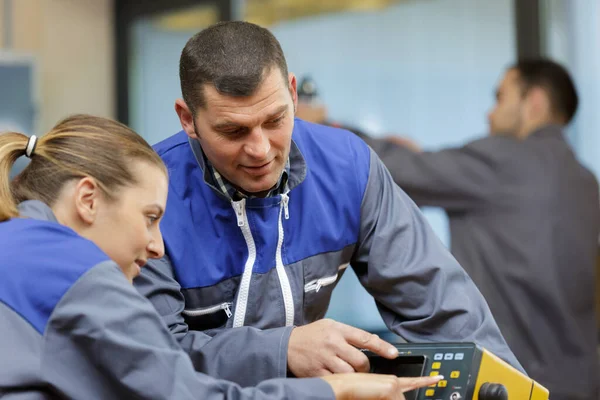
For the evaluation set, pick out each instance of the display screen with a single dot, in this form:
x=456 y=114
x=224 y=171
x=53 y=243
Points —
x=403 y=366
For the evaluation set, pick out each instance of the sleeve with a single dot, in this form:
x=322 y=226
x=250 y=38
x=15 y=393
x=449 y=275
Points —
x=104 y=340
x=420 y=290
x=259 y=354
x=455 y=179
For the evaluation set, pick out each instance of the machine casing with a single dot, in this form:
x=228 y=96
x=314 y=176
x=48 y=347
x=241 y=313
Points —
x=466 y=367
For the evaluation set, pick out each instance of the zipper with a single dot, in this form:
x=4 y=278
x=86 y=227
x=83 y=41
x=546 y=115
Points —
x=239 y=207
x=317 y=284
x=285 y=199
x=210 y=310
x=242 y=299
x=284 y=282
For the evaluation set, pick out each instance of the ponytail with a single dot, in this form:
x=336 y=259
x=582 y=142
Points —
x=12 y=146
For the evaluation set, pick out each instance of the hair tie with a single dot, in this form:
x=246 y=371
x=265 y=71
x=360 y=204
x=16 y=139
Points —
x=31 y=143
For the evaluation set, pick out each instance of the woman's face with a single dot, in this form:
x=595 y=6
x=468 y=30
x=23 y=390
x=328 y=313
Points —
x=127 y=228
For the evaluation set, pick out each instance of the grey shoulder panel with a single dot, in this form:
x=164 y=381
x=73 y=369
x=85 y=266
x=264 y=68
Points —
x=20 y=353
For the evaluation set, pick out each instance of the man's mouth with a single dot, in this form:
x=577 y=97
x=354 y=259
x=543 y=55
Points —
x=258 y=169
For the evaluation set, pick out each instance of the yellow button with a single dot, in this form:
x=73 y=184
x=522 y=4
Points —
x=442 y=383
x=436 y=365
x=454 y=374
x=434 y=373
x=429 y=392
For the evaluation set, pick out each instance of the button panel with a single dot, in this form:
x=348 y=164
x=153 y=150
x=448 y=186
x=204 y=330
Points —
x=452 y=361
x=455 y=367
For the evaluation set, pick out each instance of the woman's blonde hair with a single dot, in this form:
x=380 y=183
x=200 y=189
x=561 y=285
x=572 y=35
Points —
x=78 y=146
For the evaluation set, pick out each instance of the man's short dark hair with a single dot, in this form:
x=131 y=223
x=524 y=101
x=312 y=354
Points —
x=553 y=78
x=233 y=56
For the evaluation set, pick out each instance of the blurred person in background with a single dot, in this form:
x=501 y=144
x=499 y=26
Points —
x=524 y=222
x=266 y=211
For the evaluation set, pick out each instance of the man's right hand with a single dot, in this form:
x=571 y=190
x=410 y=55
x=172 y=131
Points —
x=405 y=142
x=326 y=346
x=373 y=386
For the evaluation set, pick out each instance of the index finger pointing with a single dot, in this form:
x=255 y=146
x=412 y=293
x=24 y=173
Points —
x=408 y=384
x=365 y=340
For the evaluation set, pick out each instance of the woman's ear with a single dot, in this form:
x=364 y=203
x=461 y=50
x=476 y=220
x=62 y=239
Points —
x=87 y=197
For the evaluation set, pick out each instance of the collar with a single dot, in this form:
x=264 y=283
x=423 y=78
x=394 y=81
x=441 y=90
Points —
x=36 y=209
x=230 y=191
x=551 y=129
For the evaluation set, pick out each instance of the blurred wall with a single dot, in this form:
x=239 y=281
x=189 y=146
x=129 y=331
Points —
x=1 y=23
x=72 y=42
x=154 y=79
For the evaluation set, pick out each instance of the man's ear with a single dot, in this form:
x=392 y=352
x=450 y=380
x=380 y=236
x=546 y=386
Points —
x=186 y=118
x=539 y=102
x=293 y=89
x=87 y=198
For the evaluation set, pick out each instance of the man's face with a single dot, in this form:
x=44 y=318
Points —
x=247 y=139
x=506 y=118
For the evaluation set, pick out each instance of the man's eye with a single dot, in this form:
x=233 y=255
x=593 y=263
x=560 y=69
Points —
x=233 y=132
x=275 y=121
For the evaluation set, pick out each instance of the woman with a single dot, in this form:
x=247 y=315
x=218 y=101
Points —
x=90 y=202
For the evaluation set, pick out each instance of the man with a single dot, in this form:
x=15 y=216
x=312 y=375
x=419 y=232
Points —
x=264 y=214
x=524 y=222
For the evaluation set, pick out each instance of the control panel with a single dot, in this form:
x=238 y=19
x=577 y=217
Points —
x=454 y=362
